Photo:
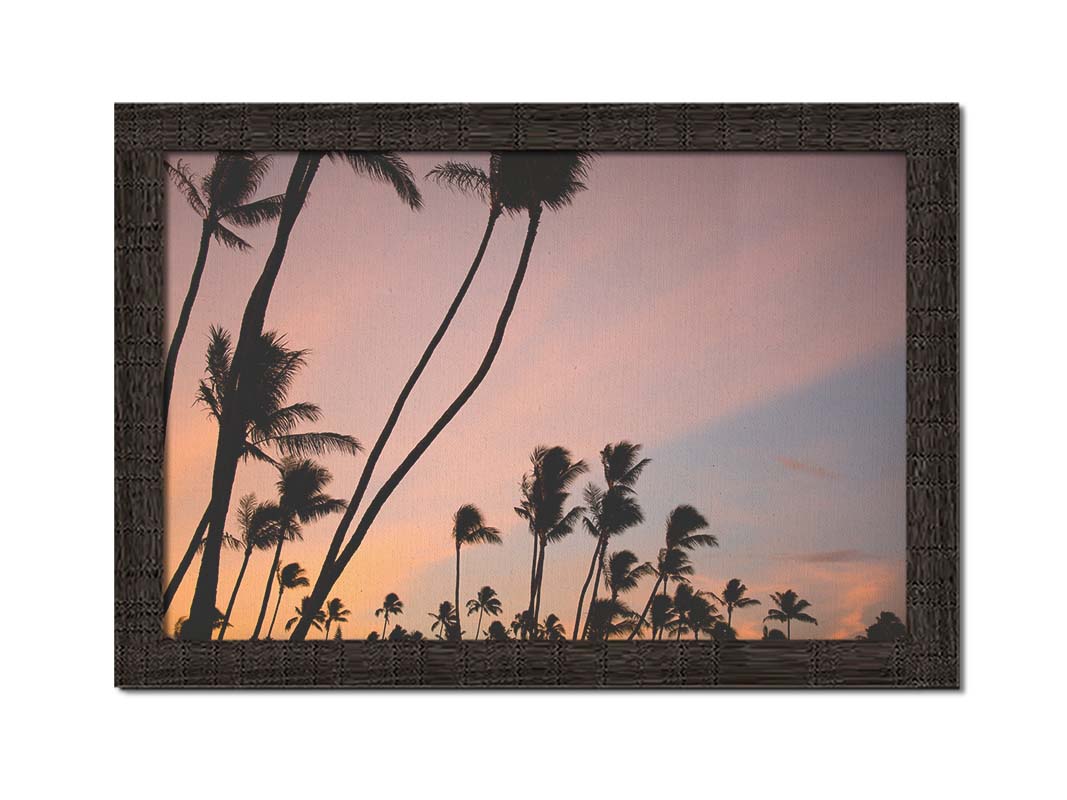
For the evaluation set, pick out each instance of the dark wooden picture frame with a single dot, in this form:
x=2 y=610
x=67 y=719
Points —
x=929 y=137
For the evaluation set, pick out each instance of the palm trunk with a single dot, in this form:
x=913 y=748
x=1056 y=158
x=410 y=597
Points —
x=540 y=581
x=183 y=316
x=187 y=560
x=644 y=613
x=385 y=625
x=231 y=425
x=602 y=547
x=329 y=574
x=533 y=588
x=277 y=605
x=789 y=629
x=478 y=633
x=326 y=635
x=581 y=596
x=401 y=400
x=233 y=596
x=458 y=629
x=729 y=617
x=266 y=590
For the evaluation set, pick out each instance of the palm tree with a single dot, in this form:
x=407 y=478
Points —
x=525 y=182
x=468 y=527
x=772 y=633
x=661 y=615
x=335 y=612
x=611 y=511
x=300 y=502
x=496 y=632
x=270 y=422
x=608 y=618
x=790 y=607
x=259 y=530
x=486 y=602
x=551 y=629
x=337 y=637
x=378 y=166
x=520 y=623
x=733 y=596
x=887 y=628
x=445 y=620
x=391 y=606
x=224 y=196
x=622 y=573
x=318 y=616
x=683 y=524
x=695 y=614
x=545 y=490
x=291 y=576
x=216 y=624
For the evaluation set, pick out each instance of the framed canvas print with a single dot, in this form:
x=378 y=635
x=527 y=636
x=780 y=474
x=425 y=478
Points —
x=536 y=396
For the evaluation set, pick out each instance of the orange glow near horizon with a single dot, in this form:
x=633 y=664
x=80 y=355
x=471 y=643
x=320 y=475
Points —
x=741 y=316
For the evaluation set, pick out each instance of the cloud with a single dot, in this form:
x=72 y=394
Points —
x=831 y=557
x=807 y=469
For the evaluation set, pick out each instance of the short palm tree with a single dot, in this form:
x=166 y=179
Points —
x=545 y=490
x=216 y=625
x=683 y=535
x=301 y=500
x=497 y=632
x=468 y=527
x=887 y=628
x=486 y=602
x=386 y=167
x=695 y=614
x=259 y=530
x=445 y=621
x=662 y=615
x=608 y=618
x=318 y=616
x=622 y=573
x=391 y=606
x=291 y=576
x=270 y=421
x=223 y=197
x=522 y=182
x=733 y=596
x=551 y=629
x=790 y=607
x=520 y=623
x=335 y=612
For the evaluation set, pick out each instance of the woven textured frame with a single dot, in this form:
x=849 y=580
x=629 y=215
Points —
x=927 y=134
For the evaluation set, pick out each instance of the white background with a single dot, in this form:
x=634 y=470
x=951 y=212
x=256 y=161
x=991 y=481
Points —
x=69 y=731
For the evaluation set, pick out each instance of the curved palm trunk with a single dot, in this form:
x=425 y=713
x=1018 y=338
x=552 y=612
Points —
x=459 y=629
x=330 y=573
x=401 y=400
x=231 y=426
x=581 y=597
x=540 y=581
x=277 y=605
x=326 y=635
x=183 y=317
x=648 y=605
x=233 y=595
x=478 y=632
x=267 y=588
x=385 y=624
x=530 y=626
x=187 y=560
x=602 y=547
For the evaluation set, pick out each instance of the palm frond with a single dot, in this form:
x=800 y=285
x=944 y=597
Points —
x=462 y=177
x=387 y=167
x=253 y=214
x=183 y=179
x=317 y=444
x=225 y=236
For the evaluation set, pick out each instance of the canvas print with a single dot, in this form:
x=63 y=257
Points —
x=535 y=396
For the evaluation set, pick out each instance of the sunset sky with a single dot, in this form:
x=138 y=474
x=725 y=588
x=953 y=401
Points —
x=741 y=316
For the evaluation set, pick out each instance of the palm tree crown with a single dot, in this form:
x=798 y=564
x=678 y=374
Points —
x=790 y=607
x=335 y=612
x=486 y=602
x=887 y=628
x=391 y=606
x=733 y=596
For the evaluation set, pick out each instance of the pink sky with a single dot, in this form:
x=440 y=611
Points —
x=741 y=316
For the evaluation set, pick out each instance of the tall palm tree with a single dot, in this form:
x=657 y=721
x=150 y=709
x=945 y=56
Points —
x=611 y=511
x=335 y=612
x=887 y=628
x=378 y=166
x=291 y=576
x=446 y=620
x=526 y=182
x=790 y=607
x=682 y=536
x=391 y=606
x=468 y=527
x=318 y=616
x=224 y=197
x=545 y=490
x=733 y=596
x=301 y=500
x=551 y=629
x=259 y=529
x=270 y=422
x=485 y=602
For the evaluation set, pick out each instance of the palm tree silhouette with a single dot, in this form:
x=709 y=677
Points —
x=391 y=606
x=661 y=616
x=270 y=423
x=520 y=623
x=527 y=182
x=291 y=576
x=497 y=632
x=733 y=596
x=445 y=620
x=385 y=167
x=468 y=527
x=224 y=196
x=300 y=501
x=259 y=531
x=337 y=637
x=545 y=490
x=335 y=612
x=551 y=629
x=887 y=628
x=673 y=561
x=610 y=511
x=216 y=624
x=317 y=616
x=695 y=614
x=608 y=617
x=622 y=573
x=486 y=602
x=790 y=607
